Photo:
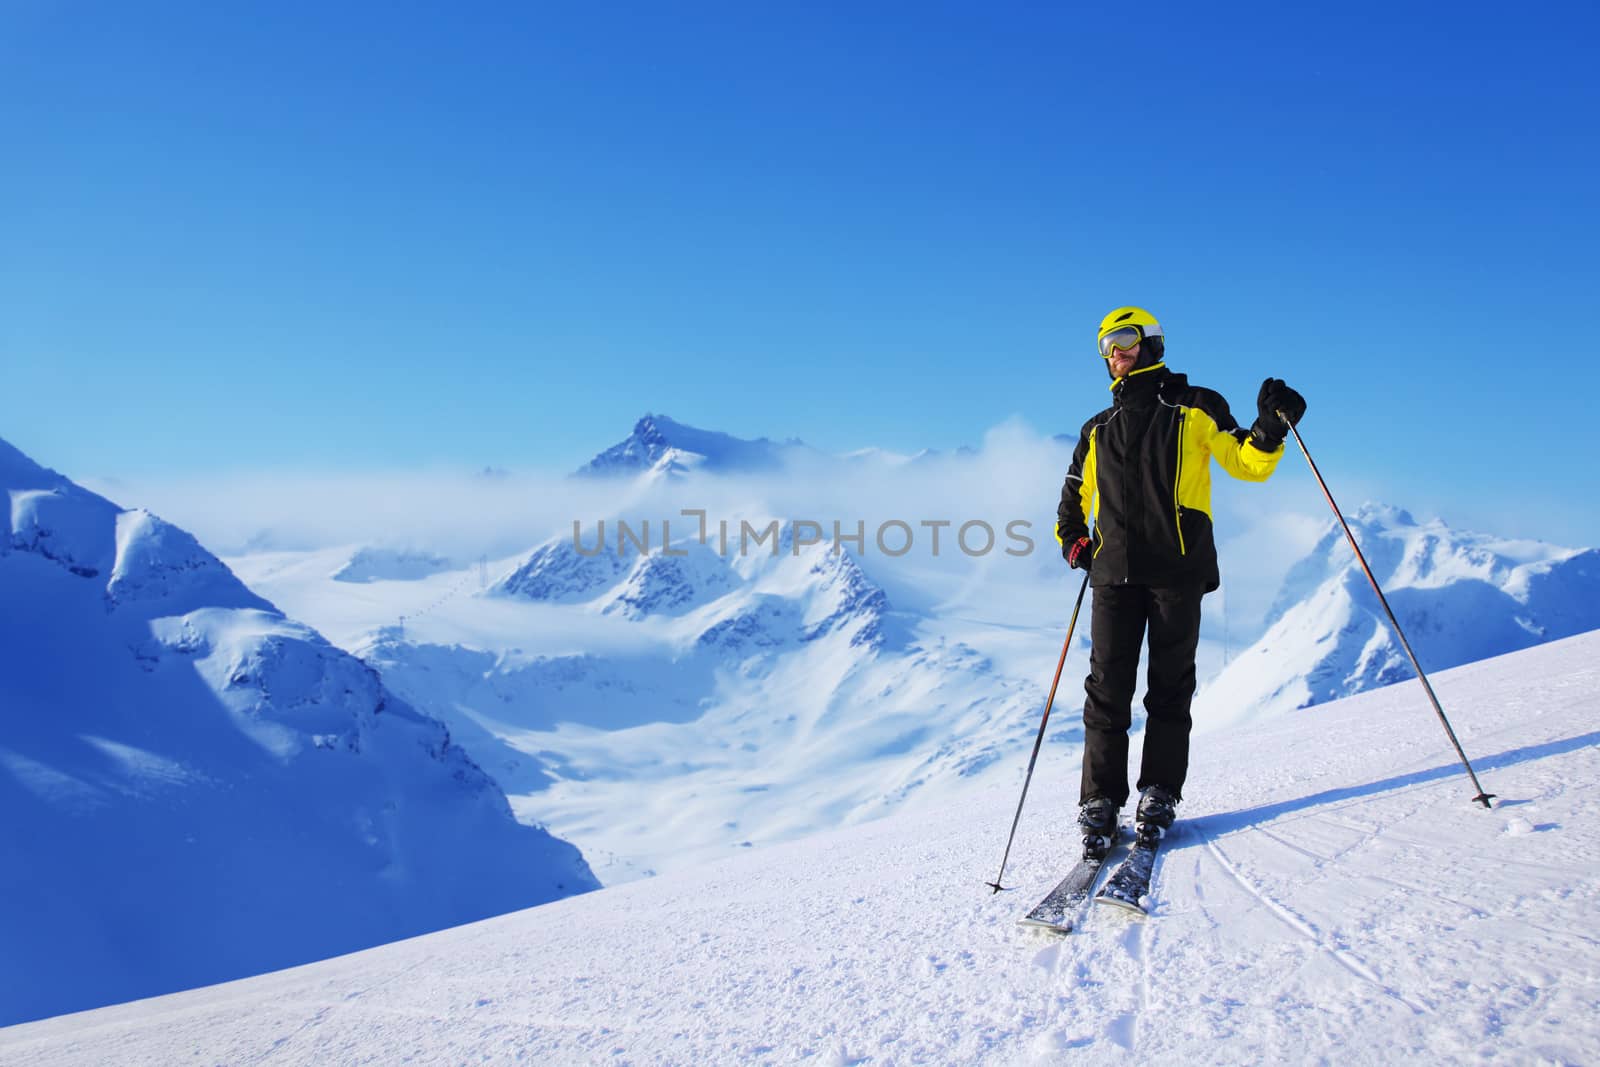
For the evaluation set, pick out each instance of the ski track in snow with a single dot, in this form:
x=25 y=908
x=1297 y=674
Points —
x=1342 y=956
x=1330 y=894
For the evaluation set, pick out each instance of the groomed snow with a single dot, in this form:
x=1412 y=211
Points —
x=1331 y=895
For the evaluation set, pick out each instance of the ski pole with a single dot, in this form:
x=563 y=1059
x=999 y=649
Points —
x=1482 y=797
x=1051 y=699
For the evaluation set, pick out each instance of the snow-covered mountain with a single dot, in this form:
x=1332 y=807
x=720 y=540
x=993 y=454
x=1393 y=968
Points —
x=197 y=788
x=374 y=564
x=1460 y=597
x=709 y=677
x=732 y=654
x=660 y=709
x=561 y=571
x=661 y=449
x=664 y=447
x=831 y=588
x=758 y=697
x=1329 y=895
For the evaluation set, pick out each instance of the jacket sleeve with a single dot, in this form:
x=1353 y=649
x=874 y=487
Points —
x=1232 y=446
x=1076 y=509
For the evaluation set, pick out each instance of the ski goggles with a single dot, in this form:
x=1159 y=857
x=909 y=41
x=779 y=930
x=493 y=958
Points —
x=1124 y=338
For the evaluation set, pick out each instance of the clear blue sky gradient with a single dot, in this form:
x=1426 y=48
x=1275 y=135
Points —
x=254 y=235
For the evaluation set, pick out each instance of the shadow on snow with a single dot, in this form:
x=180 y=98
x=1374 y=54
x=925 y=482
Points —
x=1207 y=826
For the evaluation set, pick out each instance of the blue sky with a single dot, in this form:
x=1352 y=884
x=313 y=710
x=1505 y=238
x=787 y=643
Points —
x=242 y=237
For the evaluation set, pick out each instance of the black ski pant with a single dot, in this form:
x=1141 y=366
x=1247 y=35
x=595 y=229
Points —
x=1119 y=618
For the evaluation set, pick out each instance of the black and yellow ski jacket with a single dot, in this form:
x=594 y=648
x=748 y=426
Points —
x=1141 y=474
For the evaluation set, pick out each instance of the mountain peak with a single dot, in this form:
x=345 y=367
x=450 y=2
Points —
x=18 y=471
x=1372 y=512
x=651 y=424
x=655 y=436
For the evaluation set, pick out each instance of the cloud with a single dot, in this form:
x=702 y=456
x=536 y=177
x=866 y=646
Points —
x=460 y=514
x=964 y=518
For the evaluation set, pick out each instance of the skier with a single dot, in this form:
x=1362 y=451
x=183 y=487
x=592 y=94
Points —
x=1141 y=474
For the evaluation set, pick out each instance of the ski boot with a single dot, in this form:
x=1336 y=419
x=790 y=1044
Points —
x=1097 y=818
x=1158 y=807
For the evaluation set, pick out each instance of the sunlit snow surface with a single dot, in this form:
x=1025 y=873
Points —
x=659 y=711
x=1330 y=894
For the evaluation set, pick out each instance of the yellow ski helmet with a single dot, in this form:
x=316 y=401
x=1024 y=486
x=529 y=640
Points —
x=1121 y=319
x=1129 y=326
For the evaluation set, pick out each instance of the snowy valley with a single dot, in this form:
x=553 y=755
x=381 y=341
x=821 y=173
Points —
x=660 y=710
x=785 y=739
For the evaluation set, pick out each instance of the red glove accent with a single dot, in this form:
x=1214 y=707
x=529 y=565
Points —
x=1080 y=554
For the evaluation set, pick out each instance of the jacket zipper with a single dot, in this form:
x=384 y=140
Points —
x=1177 y=508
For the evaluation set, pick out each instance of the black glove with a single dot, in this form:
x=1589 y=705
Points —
x=1275 y=396
x=1079 y=553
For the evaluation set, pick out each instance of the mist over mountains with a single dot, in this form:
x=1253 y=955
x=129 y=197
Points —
x=758 y=695
x=173 y=732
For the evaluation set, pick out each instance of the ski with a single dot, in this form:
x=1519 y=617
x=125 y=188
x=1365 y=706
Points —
x=1129 y=884
x=1061 y=909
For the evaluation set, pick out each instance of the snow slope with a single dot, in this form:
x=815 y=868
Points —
x=1330 y=895
x=196 y=787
